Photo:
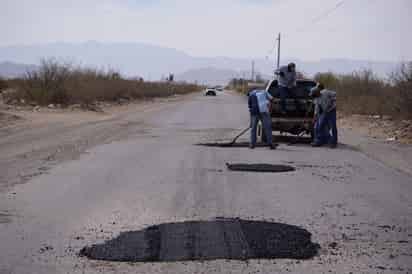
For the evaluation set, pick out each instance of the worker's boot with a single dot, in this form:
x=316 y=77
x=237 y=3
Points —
x=273 y=146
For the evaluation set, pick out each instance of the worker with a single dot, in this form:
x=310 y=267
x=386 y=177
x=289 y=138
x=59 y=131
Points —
x=326 y=131
x=287 y=83
x=259 y=108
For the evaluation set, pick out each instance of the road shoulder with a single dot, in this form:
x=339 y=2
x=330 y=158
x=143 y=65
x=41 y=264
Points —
x=33 y=141
x=391 y=154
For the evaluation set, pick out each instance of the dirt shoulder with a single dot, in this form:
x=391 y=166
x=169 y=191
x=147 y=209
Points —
x=381 y=138
x=32 y=140
x=378 y=127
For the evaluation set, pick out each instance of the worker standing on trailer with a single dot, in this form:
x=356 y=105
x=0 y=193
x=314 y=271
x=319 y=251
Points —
x=259 y=108
x=325 y=116
x=287 y=82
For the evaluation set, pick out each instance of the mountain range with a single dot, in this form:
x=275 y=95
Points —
x=153 y=62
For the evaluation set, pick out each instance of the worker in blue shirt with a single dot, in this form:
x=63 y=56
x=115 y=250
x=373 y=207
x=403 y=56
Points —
x=259 y=108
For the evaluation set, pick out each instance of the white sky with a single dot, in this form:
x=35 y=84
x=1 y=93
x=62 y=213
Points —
x=358 y=29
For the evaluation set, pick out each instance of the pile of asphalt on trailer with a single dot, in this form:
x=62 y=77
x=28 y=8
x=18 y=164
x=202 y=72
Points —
x=221 y=238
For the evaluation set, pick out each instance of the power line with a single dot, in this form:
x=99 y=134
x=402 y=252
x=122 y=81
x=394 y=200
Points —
x=313 y=21
x=321 y=16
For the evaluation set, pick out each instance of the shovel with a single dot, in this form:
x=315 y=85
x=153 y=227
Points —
x=237 y=136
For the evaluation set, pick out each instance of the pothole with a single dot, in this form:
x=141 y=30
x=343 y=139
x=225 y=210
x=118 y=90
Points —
x=233 y=239
x=260 y=167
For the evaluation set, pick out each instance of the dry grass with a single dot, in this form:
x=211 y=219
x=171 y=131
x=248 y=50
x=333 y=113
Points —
x=243 y=86
x=3 y=84
x=58 y=83
x=364 y=93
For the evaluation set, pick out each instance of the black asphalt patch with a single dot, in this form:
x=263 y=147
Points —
x=232 y=239
x=260 y=167
x=285 y=139
x=240 y=144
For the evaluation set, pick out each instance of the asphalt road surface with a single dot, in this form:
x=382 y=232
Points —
x=358 y=210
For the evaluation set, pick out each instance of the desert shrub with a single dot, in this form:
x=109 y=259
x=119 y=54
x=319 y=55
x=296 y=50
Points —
x=45 y=85
x=3 y=84
x=364 y=93
x=401 y=79
x=57 y=83
x=361 y=92
x=241 y=85
x=329 y=79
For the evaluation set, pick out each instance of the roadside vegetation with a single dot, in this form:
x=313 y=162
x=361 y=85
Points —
x=63 y=84
x=362 y=92
x=244 y=86
x=3 y=84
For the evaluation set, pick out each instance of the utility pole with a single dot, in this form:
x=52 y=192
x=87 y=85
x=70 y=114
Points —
x=253 y=70
x=278 y=39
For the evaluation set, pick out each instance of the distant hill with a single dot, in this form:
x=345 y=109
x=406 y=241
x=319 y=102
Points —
x=153 y=62
x=209 y=76
x=12 y=70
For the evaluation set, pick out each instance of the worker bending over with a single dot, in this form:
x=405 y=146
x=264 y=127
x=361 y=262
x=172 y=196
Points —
x=326 y=131
x=259 y=108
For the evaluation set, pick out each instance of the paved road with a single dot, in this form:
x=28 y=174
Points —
x=357 y=209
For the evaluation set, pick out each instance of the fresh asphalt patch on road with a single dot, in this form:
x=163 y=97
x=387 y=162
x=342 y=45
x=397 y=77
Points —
x=260 y=168
x=286 y=139
x=222 y=144
x=222 y=238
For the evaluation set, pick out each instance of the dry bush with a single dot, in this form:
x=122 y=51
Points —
x=329 y=79
x=48 y=84
x=57 y=83
x=361 y=92
x=402 y=82
x=364 y=93
x=240 y=85
x=3 y=84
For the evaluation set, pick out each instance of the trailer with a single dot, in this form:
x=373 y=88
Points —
x=300 y=107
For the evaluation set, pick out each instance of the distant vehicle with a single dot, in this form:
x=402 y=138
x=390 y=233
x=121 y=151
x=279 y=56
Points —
x=298 y=119
x=210 y=92
x=218 y=88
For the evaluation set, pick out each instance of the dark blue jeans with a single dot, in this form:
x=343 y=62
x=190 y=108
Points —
x=322 y=135
x=267 y=127
x=326 y=130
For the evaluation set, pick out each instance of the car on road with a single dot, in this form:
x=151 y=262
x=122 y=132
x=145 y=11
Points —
x=300 y=108
x=210 y=92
